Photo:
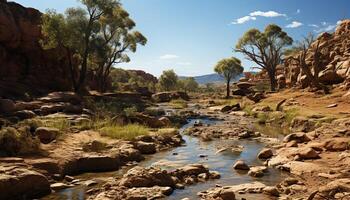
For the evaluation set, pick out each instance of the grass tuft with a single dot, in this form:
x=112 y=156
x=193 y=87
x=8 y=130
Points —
x=178 y=103
x=128 y=132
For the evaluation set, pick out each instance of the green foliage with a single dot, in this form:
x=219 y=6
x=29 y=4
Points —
x=168 y=80
x=128 y=132
x=130 y=111
x=265 y=48
x=188 y=84
x=229 y=68
x=98 y=36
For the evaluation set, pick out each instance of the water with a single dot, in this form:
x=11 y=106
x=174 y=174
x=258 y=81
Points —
x=188 y=154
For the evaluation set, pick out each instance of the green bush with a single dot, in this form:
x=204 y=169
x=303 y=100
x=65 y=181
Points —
x=178 y=103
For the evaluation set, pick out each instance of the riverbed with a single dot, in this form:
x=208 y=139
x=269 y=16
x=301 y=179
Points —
x=193 y=151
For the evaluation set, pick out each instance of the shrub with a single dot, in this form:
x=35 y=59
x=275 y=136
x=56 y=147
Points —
x=14 y=142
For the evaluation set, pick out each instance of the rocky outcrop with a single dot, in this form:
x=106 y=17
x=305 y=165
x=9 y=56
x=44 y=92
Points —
x=168 y=96
x=335 y=50
x=25 y=66
x=21 y=183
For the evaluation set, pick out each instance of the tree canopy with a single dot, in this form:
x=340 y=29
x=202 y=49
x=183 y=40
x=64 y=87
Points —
x=229 y=68
x=265 y=48
x=99 y=35
x=168 y=80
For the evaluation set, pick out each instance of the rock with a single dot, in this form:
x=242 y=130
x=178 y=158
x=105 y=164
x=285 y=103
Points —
x=168 y=96
x=265 y=154
x=166 y=121
x=52 y=108
x=7 y=106
x=257 y=171
x=89 y=183
x=290 y=181
x=94 y=146
x=97 y=163
x=46 y=135
x=214 y=175
x=300 y=168
x=244 y=85
x=262 y=109
x=241 y=165
x=308 y=153
x=271 y=190
x=59 y=186
x=154 y=192
x=20 y=183
x=302 y=124
x=146 y=147
x=244 y=135
x=256 y=97
x=241 y=92
x=215 y=193
x=329 y=77
x=47 y=164
x=191 y=170
x=299 y=137
x=142 y=177
x=336 y=186
x=25 y=114
x=337 y=144
x=332 y=105
x=229 y=108
x=69 y=178
x=69 y=97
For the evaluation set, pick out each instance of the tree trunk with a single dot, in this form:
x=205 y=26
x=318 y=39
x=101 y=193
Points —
x=70 y=63
x=228 y=89
x=273 y=81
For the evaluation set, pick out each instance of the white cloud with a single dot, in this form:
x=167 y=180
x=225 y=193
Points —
x=298 y=11
x=184 y=63
x=253 y=16
x=314 y=25
x=168 y=57
x=243 y=20
x=325 y=26
x=294 y=24
x=267 y=14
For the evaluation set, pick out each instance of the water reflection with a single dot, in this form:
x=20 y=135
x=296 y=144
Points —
x=189 y=153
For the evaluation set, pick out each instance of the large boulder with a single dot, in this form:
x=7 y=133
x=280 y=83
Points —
x=7 y=106
x=47 y=135
x=337 y=144
x=299 y=137
x=329 y=77
x=146 y=147
x=302 y=124
x=241 y=165
x=142 y=177
x=21 y=183
x=265 y=154
x=244 y=85
x=168 y=96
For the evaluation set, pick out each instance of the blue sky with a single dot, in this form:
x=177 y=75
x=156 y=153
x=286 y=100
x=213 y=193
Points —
x=190 y=36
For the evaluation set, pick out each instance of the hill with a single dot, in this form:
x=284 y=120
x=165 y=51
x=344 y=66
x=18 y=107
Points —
x=210 y=78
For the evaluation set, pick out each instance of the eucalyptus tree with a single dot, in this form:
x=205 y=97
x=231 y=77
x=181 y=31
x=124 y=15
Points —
x=265 y=49
x=168 y=80
x=99 y=29
x=229 y=68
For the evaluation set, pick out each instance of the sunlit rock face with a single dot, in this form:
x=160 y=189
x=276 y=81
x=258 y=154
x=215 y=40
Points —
x=335 y=62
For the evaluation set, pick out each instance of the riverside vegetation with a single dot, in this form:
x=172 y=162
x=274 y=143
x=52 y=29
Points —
x=75 y=127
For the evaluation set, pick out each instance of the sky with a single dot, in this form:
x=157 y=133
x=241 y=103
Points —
x=191 y=36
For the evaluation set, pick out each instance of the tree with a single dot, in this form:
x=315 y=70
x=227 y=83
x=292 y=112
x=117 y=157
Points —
x=112 y=43
x=188 y=84
x=265 y=49
x=229 y=68
x=168 y=80
x=299 y=53
x=77 y=30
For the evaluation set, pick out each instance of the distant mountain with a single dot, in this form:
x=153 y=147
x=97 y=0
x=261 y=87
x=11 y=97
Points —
x=210 y=78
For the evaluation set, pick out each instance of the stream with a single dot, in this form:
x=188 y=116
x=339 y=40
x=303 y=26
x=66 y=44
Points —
x=187 y=154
